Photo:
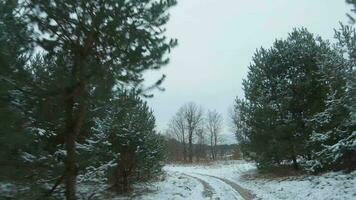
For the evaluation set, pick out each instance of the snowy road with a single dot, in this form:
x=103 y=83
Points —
x=191 y=182
x=215 y=183
x=216 y=188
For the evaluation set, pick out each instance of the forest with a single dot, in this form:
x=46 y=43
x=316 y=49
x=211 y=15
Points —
x=74 y=117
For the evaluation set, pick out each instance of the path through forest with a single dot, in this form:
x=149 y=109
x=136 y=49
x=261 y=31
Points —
x=240 y=180
x=201 y=182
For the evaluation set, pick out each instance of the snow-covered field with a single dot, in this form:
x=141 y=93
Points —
x=225 y=180
x=234 y=180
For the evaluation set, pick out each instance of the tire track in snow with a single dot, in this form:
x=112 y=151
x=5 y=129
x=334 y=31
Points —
x=224 y=190
x=208 y=190
x=246 y=194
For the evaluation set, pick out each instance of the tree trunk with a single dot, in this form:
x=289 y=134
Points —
x=124 y=169
x=71 y=169
x=203 y=155
x=184 y=152
x=117 y=175
x=294 y=158
x=190 y=147
x=125 y=182
x=212 y=147
x=215 y=144
x=196 y=152
x=70 y=178
x=295 y=163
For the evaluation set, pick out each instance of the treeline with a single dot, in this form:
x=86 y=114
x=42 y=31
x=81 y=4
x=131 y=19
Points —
x=195 y=135
x=71 y=82
x=300 y=103
x=201 y=153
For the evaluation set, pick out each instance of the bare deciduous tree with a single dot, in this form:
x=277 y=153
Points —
x=177 y=129
x=200 y=146
x=213 y=126
x=193 y=116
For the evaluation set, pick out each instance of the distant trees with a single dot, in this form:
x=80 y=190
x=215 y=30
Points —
x=213 y=127
x=184 y=126
x=289 y=90
x=177 y=128
x=200 y=147
x=193 y=116
x=196 y=131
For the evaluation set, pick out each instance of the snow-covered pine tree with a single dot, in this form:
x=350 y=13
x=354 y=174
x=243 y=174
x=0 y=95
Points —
x=134 y=140
x=283 y=89
x=90 y=47
x=239 y=119
x=13 y=107
x=334 y=135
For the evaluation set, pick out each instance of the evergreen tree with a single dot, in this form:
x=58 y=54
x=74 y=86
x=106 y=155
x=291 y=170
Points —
x=240 y=125
x=353 y=3
x=134 y=141
x=334 y=136
x=283 y=89
x=122 y=148
x=92 y=46
x=13 y=45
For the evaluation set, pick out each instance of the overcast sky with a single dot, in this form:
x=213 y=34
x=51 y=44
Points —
x=217 y=39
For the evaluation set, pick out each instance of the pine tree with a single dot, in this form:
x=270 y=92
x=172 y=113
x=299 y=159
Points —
x=334 y=128
x=283 y=89
x=13 y=45
x=239 y=117
x=134 y=141
x=94 y=45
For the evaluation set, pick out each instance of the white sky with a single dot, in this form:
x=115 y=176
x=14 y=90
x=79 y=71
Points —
x=217 y=39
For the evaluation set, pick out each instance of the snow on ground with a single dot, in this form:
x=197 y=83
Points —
x=335 y=185
x=176 y=186
x=233 y=180
x=220 y=168
x=218 y=177
x=191 y=182
x=325 y=187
